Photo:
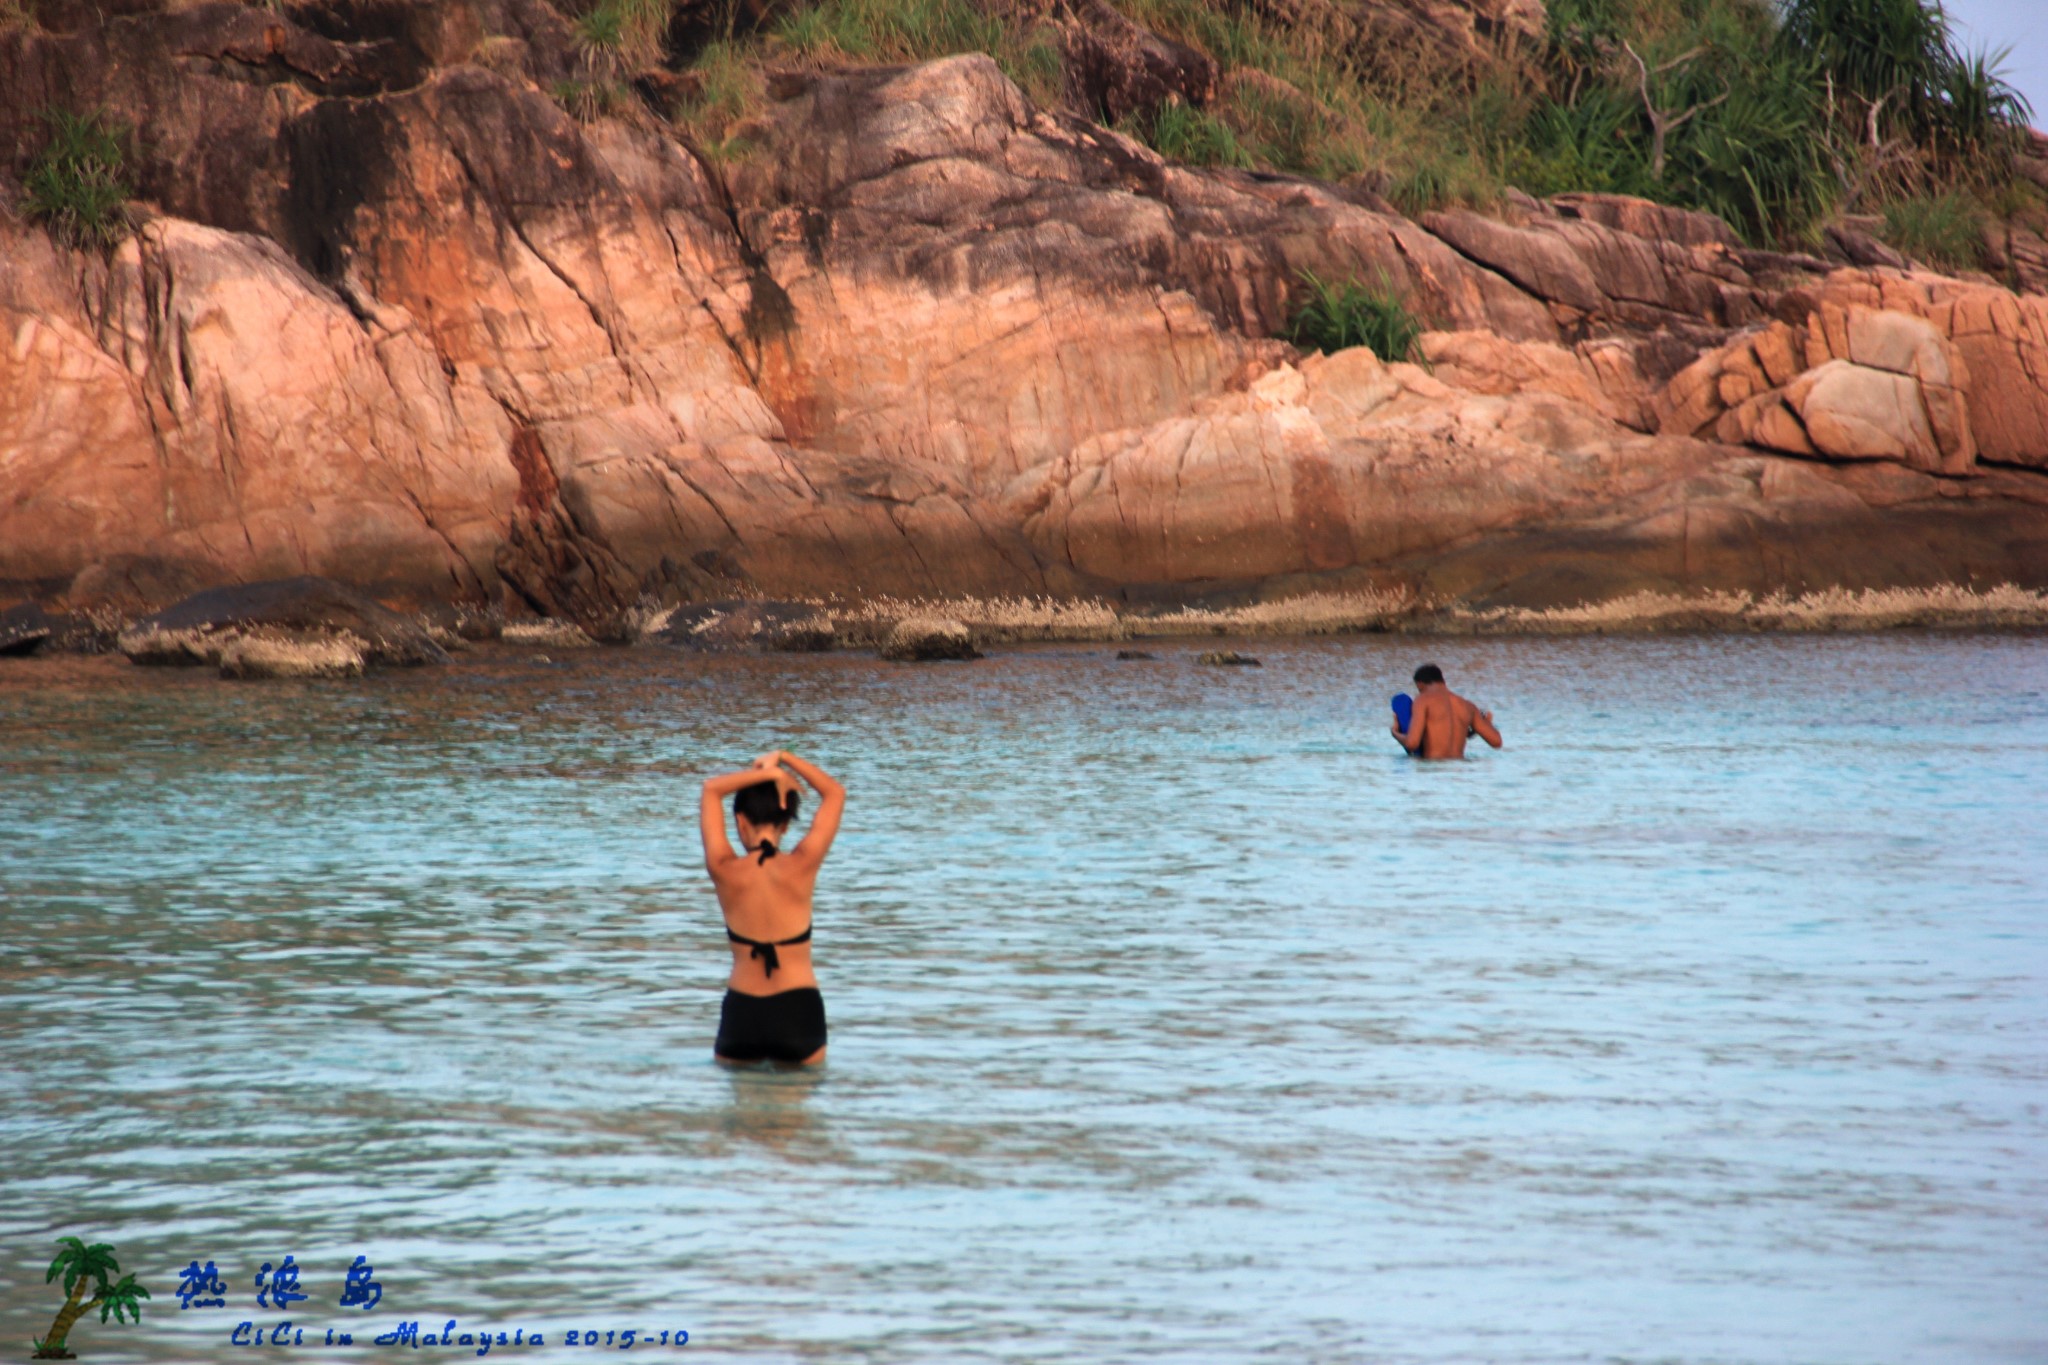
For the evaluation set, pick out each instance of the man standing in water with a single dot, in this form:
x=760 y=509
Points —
x=1442 y=719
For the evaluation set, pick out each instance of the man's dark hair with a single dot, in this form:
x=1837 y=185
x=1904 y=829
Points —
x=763 y=806
x=1428 y=673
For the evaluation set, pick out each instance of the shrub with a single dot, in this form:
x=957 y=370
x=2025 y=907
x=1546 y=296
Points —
x=1903 y=55
x=1335 y=316
x=1744 y=125
x=76 y=186
x=1588 y=145
x=1759 y=157
x=1944 y=230
x=1983 y=115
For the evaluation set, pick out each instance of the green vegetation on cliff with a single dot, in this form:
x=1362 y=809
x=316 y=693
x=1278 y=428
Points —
x=1778 y=117
x=77 y=184
x=1772 y=119
x=1334 y=315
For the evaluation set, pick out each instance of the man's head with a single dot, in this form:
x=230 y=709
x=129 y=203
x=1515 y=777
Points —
x=1427 y=674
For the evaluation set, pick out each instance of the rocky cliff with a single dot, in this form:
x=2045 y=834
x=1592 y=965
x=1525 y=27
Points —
x=393 y=316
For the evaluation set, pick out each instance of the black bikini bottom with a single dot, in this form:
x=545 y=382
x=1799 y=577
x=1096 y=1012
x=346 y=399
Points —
x=785 y=1027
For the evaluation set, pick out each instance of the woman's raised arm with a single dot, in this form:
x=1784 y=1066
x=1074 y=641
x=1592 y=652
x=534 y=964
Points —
x=817 y=840
x=711 y=810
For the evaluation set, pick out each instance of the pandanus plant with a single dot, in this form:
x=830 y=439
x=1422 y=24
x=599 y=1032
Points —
x=88 y=1267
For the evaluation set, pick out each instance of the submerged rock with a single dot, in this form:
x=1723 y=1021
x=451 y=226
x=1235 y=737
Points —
x=202 y=628
x=1124 y=655
x=927 y=639
x=1229 y=658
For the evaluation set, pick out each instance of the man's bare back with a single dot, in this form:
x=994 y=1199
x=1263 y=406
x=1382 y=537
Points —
x=1442 y=720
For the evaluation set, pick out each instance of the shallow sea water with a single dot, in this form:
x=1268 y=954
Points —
x=1174 y=1015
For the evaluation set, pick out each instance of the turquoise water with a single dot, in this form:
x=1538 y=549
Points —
x=1174 y=1015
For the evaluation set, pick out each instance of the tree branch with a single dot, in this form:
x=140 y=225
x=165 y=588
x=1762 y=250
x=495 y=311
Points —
x=1661 y=123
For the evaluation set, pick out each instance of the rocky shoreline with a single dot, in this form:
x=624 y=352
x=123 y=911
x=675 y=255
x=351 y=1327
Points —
x=391 y=316
x=309 y=627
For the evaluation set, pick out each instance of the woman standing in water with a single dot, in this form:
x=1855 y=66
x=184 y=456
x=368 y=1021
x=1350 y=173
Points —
x=773 y=1011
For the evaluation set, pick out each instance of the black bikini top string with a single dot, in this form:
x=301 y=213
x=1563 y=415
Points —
x=766 y=848
x=770 y=959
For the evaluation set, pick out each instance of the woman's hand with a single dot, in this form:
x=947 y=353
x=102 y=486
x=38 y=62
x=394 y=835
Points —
x=771 y=769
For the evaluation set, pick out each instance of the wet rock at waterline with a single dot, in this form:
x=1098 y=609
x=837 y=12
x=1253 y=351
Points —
x=546 y=635
x=928 y=640
x=24 y=629
x=29 y=628
x=735 y=627
x=1228 y=658
x=205 y=628
x=278 y=656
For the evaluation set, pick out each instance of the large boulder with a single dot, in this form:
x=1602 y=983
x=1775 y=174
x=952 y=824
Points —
x=2000 y=342
x=205 y=628
x=1850 y=383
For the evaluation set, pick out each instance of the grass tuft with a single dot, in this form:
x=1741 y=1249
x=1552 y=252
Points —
x=1945 y=230
x=1336 y=316
x=77 y=185
x=589 y=100
x=890 y=30
x=1181 y=132
x=730 y=89
x=617 y=37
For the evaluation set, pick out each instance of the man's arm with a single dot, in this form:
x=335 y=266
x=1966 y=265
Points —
x=1418 y=721
x=1482 y=726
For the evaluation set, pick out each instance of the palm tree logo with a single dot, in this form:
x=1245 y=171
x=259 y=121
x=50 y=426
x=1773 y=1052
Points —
x=83 y=1265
